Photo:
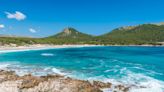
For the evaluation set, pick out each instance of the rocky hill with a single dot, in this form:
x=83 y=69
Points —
x=132 y=35
x=71 y=33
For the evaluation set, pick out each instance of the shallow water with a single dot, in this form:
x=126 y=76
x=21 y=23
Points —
x=142 y=66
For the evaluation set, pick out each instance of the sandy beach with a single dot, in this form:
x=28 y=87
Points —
x=8 y=48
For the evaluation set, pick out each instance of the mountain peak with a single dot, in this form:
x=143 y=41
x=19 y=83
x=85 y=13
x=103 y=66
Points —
x=68 y=31
x=71 y=33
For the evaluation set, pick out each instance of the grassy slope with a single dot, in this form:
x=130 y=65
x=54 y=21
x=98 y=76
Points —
x=147 y=33
x=142 y=34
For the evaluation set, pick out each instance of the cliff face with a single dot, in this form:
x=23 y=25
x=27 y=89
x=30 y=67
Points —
x=10 y=82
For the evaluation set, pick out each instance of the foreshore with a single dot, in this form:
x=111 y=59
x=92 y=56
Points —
x=11 y=48
x=11 y=82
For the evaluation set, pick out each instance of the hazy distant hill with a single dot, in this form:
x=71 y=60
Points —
x=4 y=35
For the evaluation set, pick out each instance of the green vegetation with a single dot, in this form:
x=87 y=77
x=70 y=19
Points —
x=132 y=35
x=70 y=36
x=142 y=34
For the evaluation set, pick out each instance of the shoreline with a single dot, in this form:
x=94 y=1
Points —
x=5 y=49
x=11 y=82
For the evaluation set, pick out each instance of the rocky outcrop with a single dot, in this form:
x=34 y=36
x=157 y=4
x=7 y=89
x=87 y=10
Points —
x=10 y=82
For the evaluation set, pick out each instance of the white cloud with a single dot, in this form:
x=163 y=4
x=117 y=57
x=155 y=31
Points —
x=2 y=26
x=32 y=30
x=17 y=15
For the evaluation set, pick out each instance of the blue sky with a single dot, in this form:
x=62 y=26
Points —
x=42 y=18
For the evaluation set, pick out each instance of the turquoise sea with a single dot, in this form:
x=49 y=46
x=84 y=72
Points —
x=141 y=66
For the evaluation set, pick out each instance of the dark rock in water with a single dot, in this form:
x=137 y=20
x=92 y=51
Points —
x=102 y=84
x=126 y=89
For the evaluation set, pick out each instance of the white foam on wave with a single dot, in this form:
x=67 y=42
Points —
x=12 y=66
x=148 y=71
x=42 y=71
x=57 y=71
x=151 y=85
x=47 y=54
x=22 y=69
x=4 y=66
x=123 y=70
x=142 y=83
x=138 y=82
x=110 y=70
x=7 y=64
